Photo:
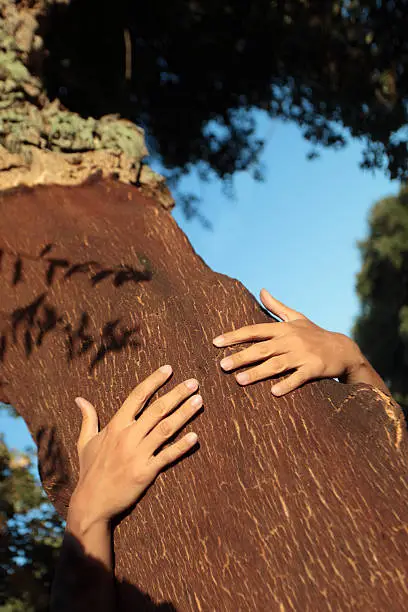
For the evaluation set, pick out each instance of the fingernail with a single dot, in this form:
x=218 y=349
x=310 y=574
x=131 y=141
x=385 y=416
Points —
x=226 y=363
x=197 y=401
x=276 y=390
x=191 y=384
x=218 y=341
x=79 y=402
x=242 y=378
x=191 y=437
x=166 y=369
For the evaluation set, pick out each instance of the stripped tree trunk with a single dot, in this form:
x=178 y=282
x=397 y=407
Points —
x=294 y=503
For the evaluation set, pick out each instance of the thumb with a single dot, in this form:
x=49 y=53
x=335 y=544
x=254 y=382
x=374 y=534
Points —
x=277 y=308
x=89 y=426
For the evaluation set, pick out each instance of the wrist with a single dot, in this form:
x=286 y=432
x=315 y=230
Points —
x=81 y=517
x=355 y=364
x=89 y=533
x=358 y=369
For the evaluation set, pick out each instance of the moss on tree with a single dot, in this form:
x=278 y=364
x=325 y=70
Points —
x=40 y=140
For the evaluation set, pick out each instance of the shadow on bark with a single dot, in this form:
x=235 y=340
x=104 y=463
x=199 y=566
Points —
x=32 y=323
x=52 y=461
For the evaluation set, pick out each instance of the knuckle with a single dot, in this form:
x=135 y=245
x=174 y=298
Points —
x=165 y=429
x=134 y=401
x=141 y=474
x=318 y=364
x=168 y=455
x=275 y=366
x=304 y=376
x=178 y=448
x=249 y=330
x=140 y=395
x=237 y=359
x=228 y=338
x=258 y=331
x=251 y=374
x=181 y=392
x=160 y=408
x=278 y=369
x=263 y=349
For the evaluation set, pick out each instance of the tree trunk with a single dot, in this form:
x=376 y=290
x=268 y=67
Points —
x=297 y=503
x=293 y=503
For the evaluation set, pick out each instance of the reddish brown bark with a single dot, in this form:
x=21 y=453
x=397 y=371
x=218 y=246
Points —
x=298 y=503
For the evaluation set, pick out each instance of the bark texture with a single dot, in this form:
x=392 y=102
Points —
x=297 y=503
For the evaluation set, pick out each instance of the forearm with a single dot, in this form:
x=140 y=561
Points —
x=84 y=578
x=360 y=370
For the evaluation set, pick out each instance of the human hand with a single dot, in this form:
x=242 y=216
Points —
x=118 y=463
x=296 y=345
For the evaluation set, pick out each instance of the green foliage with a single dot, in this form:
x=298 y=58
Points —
x=30 y=536
x=28 y=118
x=9 y=410
x=381 y=330
x=191 y=74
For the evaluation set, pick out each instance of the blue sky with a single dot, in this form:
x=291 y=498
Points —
x=295 y=234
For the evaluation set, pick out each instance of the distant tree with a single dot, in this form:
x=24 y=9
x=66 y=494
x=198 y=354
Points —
x=381 y=329
x=30 y=535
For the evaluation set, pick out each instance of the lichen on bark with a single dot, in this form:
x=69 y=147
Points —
x=41 y=142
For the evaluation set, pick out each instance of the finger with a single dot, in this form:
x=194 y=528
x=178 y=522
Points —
x=257 y=352
x=271 y=367
x=292 y=382
x=163 y=406
x=174 y=451
x=89 y=426
x=140 y=394
x=262 y=331
x=169 y=426
x=278 y=308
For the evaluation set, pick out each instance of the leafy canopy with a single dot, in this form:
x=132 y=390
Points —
x=192 y=71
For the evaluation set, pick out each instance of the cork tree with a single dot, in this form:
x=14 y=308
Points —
x=290 y=503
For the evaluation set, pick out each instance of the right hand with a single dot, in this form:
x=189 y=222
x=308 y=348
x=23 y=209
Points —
x=295 y=345
x=118 y=463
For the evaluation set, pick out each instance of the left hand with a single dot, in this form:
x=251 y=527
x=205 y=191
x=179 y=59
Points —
x=119 y=462
x=295 y=344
